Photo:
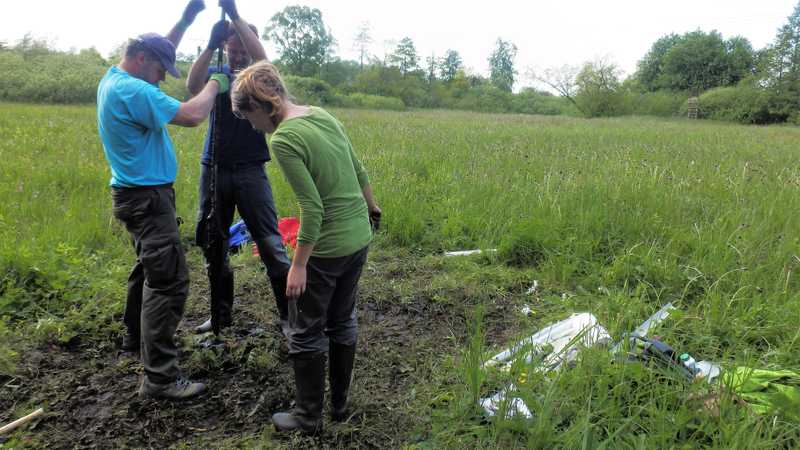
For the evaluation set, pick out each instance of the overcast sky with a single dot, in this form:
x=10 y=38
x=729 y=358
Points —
x=547 y=34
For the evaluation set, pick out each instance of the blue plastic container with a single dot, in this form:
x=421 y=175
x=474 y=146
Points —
x=239 y=235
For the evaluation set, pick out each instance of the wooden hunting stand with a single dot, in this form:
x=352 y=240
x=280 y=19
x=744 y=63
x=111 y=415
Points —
x=692 y=108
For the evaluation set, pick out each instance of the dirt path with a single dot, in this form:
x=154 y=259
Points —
x=89 y=391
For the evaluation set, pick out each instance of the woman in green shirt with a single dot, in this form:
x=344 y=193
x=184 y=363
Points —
x=336 y=210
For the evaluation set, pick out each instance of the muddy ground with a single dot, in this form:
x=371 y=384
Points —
x=89 y=389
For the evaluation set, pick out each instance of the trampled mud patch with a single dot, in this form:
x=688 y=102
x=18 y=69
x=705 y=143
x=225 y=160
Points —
x=89 y=391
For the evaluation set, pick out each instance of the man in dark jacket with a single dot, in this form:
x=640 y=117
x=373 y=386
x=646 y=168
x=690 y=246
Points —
x=241 y=181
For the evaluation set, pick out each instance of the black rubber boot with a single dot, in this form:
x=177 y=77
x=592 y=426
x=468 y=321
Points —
x=341 y=374
x=279 y=291
x=131 y=343
x=309 y=380
x=220 y=287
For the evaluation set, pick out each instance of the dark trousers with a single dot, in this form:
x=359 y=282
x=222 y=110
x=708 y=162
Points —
x=326 y=311
x=246 y=188
x=159 y=281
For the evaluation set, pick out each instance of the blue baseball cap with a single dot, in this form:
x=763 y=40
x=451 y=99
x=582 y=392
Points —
x=163 y=49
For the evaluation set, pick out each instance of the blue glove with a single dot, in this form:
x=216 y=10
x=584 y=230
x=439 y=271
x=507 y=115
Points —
x=229 y=6
x=192 y=10
x=219 y=34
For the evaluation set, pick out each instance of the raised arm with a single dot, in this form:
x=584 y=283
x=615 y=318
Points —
x=248 y=37
x=189 y=13
x=198 y=74
x=196 y=79
x=195 y=111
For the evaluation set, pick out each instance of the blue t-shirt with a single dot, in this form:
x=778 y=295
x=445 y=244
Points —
x=239 y=142
x=132 y=116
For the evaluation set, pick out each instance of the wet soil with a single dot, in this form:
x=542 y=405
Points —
x=90 y=390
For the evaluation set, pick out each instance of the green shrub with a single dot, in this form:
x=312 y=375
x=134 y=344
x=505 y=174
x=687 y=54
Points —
x=744 y=103
x=531 y=102
x=659 y=103
x=485 y=98
x=50 y=77
x=602 y=102
x=309 y=90
x=366 y=101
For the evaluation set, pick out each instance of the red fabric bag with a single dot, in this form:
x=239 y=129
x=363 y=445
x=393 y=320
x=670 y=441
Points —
x=288 y=227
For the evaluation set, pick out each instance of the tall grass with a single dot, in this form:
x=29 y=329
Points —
x=620 y=214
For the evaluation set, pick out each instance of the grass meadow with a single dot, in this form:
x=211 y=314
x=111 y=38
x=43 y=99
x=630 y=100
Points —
x=611 y=216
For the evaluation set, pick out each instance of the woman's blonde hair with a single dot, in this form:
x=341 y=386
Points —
x=260 y=86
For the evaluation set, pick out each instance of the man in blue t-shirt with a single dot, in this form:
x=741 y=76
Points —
x=132 y=114
x=241 y=181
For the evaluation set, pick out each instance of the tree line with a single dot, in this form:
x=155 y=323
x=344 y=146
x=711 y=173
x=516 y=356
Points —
x=733 y=80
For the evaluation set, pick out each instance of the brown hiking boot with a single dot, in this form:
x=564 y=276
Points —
x=180 y=389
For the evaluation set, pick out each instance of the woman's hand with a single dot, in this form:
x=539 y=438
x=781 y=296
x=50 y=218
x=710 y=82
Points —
x=374 y=216
x=296 y=282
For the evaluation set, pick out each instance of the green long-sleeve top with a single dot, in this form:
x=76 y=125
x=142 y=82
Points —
x=317 y=159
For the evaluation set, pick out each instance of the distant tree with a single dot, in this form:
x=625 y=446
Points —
x=460 y=84
x=390 y=82
x=695 y=61
x=116 y=53
x=563 y=80
x=650 y=67
x=92 y=55
x=501 y=64
x=742 y=60
x=30 y=46
x=389 y=46
x=781 y=64
x=431 y=65
x=405 y=56
x=362 y=41
x=303 y=41
x=784 y=57
x=450 y=65
x=598 y=89
x=337 y=72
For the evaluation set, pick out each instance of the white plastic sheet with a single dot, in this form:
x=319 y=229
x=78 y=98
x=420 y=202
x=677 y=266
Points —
x=557 y=341
x=557 y=344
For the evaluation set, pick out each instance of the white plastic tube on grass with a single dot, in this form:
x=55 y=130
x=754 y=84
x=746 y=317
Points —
x=469 y=252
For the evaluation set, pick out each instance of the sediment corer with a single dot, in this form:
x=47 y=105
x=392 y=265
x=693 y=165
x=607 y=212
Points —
x=642 y=330
x=656 y=350
x=213 y=227
x=660 y=352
